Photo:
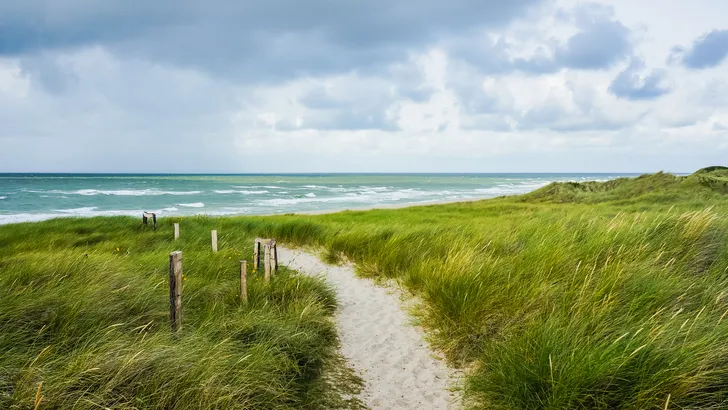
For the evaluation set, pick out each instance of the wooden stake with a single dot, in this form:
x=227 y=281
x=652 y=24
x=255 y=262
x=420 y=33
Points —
x=176 y=231
x=266 y=261
x=244 y=281
x=214 y=241
x=256 y=254
x=275 y=256
x=175 y=290
x=146 y=215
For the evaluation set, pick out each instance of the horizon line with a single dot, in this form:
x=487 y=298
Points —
x=342 y=173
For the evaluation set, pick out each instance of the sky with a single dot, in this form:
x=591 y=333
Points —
x=227 y=86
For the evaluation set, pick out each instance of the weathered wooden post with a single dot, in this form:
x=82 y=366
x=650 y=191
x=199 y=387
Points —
x=175 y=290
x=176 y=231
x=244 y=281
x=266 y=261
x=275 y=256
x=256 y=254
x=214 y=241
x=147 y=215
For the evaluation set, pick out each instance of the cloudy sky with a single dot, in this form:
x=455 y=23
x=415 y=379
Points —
x=372 y=86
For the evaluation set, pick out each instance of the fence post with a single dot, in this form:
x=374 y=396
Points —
x=214 y=241
x=147 y=215
x=176 y=231
x=275 y=256
x=175 y=290
x=244 y=281
x=256 y=254
x=266 y=261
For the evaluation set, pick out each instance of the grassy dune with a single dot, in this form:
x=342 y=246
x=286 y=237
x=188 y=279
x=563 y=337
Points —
x=84 y=322
x=596 y=295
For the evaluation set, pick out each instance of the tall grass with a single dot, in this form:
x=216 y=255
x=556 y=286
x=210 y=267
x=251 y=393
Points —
x=84 y=322
x=591 y=295
x=613 y=296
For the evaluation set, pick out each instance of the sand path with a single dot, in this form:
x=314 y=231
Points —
x=379 y=341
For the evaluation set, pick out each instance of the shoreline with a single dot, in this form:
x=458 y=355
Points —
x=389 y=206
x=41 y=217
x=284 y=198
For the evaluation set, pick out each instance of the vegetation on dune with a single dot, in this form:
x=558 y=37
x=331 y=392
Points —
x=84 y=322
x=595 y=295
x=706 y=184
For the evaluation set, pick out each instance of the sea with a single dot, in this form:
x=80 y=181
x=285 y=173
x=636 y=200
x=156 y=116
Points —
x=36 y=197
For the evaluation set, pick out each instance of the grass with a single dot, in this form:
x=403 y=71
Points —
x=596 y=295
x=84 y=323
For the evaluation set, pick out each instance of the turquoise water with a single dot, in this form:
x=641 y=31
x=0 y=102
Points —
x=35 y=197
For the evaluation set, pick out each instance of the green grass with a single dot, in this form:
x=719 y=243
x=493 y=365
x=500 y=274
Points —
x=597 y=295
x=84 y=322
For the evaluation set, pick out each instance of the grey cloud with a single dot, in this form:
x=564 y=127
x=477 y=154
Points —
x=257 y=41
x=707 y=51
x=49 y=72
x=348 y=109
x=600 y=43
x=631 y=84
x=585 y=115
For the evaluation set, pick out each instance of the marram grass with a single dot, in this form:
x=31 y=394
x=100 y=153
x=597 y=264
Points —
x=597 y=295
x=84 y=323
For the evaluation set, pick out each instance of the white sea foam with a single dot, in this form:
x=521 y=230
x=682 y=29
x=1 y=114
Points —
x=372 y=198
x=244 y=192
x=326 y=188
x=375 y=188
x=310 y=195
x=193 y=205
x=117 y=192
x=84 y=210
x=228 y=211
x=170 y=209
x=25 y=217
x=3 y=197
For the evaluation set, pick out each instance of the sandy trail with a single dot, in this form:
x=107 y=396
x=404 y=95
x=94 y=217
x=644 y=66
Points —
x=379 y=341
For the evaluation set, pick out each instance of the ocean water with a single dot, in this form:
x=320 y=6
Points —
x=35 y=197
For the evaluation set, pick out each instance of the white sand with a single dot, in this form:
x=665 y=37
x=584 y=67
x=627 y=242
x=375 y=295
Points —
x=379 y=341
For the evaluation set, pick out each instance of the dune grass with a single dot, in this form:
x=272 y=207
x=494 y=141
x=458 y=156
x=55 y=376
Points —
x=84 y=323
x=597 y=295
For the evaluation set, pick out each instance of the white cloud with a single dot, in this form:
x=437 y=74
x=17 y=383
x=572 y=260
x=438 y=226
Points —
x=457 y=102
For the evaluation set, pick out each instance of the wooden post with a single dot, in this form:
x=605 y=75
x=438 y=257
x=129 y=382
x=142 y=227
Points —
x=244 y=281
x=147 y=215
x=275 y=256
x=214 y=241
x=256 y=254
x=176 y=231
x=175 y=290
x=266 y=261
